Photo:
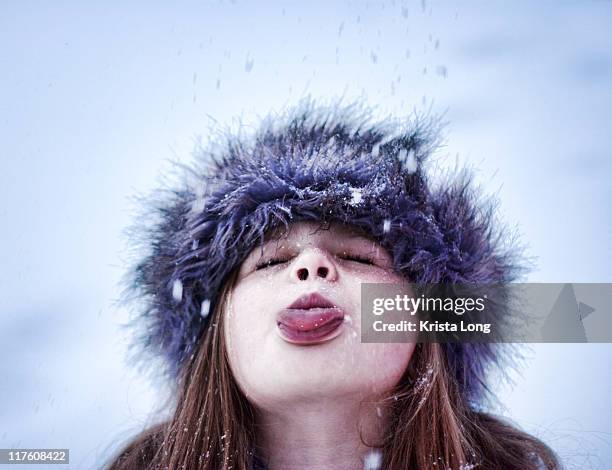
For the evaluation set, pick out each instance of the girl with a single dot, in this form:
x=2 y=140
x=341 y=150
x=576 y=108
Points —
x=248 y=288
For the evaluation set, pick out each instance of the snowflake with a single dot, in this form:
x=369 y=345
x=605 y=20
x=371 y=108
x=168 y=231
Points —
x=205 y=307
x=386 y=226
x=467 y=466
x=177 y=290
x=198 y=205
x=373 y=460
x=375 y=150
x=409 y=159
x=356 y=196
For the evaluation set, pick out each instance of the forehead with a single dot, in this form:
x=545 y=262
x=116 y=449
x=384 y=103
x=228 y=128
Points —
x=317 y=229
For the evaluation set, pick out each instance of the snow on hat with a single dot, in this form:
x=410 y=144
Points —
x=314 y=162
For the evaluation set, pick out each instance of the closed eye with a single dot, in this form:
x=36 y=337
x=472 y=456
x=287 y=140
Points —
x=270 y=262
x=345 y=256
x=357 y=259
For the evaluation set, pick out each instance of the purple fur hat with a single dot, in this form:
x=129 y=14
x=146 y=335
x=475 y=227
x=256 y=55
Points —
x=312 y=163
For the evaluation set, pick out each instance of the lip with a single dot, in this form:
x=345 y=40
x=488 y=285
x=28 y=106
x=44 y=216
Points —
x=312 y=300
x=310 y=319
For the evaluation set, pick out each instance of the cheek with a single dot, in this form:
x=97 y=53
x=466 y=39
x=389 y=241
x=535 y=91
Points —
x=384 y=364
x=247 y=330
x=362 y=367
x=377 y=275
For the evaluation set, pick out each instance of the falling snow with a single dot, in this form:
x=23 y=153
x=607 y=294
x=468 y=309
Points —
x=409 y=159
x=467 y=466
x=177 y=290
x=199 y=201
x=373 y=460
x=248 y=66
x=198 y=205
x=375 y=150
x=205 y=308
x=442 y=71
x=386 y=226
x=356 y=196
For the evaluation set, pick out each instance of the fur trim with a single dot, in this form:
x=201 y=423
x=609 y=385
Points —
x=312 y=163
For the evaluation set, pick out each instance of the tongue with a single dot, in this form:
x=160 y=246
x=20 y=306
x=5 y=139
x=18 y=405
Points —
x=310 y=319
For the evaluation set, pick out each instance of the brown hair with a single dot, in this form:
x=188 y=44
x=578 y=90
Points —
x=430 y=424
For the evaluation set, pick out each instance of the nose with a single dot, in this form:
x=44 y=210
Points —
x=313 y=263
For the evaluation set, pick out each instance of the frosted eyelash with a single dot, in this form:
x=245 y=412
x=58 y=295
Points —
x=270 y=262
x=358 y=259
x=275 y=261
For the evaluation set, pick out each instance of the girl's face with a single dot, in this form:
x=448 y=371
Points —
x=281 y=355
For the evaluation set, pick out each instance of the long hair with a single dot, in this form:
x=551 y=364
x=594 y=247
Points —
x=430 y=424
